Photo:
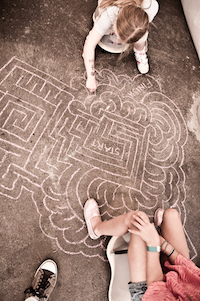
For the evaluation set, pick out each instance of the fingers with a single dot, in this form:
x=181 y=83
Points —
x=142 y=227
x=139 y=221
x=143 y=216
x=91 y=85
x=91 y=90
x=140 y=218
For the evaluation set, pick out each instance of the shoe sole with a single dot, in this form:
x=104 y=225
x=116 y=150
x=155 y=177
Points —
x=158 y=217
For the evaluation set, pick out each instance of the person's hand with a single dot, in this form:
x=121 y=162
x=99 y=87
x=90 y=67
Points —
x=145 y=229
x=91 y=84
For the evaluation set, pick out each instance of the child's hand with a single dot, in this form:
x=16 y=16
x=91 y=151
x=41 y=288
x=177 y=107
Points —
x=145 y=229
x=91 y=84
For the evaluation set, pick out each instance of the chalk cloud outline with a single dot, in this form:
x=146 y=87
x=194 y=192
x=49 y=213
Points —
x=137 y=164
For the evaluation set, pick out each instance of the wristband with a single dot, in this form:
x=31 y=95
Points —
x=166 y=248
x=172 y=251
x=163 y=244
x=153 y=249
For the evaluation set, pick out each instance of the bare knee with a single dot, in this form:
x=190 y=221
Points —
x=171 y=215
x=128 y=218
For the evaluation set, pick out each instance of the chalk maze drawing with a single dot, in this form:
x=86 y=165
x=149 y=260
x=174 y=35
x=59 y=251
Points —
x=123 y=146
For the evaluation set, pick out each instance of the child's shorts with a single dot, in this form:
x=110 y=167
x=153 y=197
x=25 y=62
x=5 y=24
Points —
x=137 y=290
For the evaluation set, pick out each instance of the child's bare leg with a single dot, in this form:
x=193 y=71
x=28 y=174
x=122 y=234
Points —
x=137 y=259
x=119 y=226
x=139 y=46
x=140 y=49
x=116 y=226
x=172 y=231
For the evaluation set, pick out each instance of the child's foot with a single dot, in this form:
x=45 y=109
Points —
x=142 y=60
x=92 y=217
x=158 y=217
x=44 y=281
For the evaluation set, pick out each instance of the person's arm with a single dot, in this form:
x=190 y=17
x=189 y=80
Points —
x=148 y=233
x=89 y=56
x=154 y=270
x=168 y=249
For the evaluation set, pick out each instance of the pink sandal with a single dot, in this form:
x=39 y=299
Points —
x=91 y=210
x=158 y=217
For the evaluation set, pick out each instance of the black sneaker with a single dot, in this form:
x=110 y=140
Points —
x=44 y=281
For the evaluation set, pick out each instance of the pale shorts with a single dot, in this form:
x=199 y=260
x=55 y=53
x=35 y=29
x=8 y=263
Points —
x=137 y=290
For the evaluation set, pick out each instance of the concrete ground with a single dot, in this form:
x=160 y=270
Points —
x=135 y=144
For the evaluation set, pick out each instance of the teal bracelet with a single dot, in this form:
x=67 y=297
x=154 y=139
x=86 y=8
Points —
x=163 y=244
x=153 y=249
x=172 y=251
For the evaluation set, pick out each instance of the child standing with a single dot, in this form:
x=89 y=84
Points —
x=118 y=26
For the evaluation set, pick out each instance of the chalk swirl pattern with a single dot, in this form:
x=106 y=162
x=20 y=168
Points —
x=123 y=146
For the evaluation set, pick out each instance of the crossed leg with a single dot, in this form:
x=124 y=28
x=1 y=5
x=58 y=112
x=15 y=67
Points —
x=116 y=226
x=171 y=228
x=119 y=226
